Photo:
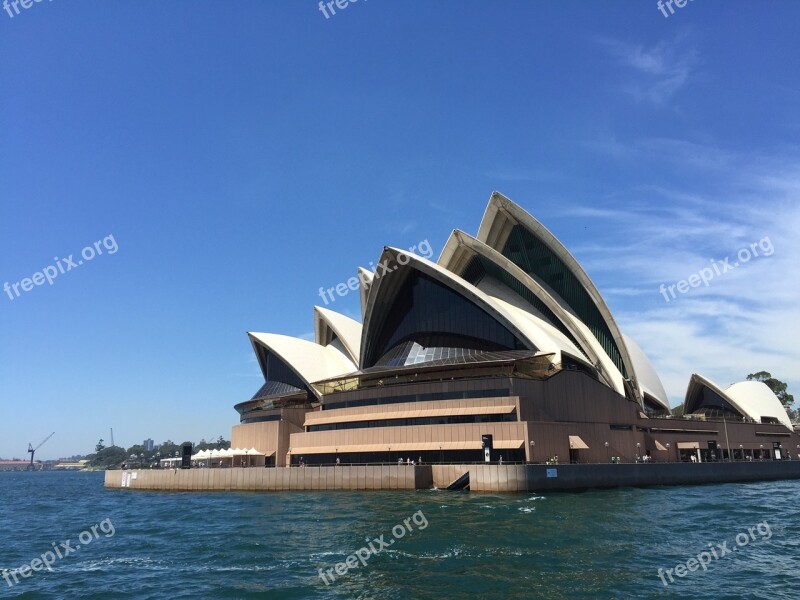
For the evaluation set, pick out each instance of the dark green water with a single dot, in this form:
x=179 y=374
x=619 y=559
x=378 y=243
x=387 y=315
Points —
x=607 y=544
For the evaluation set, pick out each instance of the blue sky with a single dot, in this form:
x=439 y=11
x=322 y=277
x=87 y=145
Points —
x=244 y=154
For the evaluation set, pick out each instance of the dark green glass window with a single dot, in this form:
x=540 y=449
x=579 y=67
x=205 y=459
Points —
x=428 y=316
x=534 y=257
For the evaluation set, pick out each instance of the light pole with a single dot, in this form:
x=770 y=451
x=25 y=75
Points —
x=741 y=452
x=761 y=454
x=669 y=456
x=533 y=444
x=607 y=458
x=638 y=449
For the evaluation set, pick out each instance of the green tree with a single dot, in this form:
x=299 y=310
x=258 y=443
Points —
x=168 y=449
x=778 y=387
x=108 y=458
x=136 y=449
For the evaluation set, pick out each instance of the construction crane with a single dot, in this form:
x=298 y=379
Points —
x=33 y=450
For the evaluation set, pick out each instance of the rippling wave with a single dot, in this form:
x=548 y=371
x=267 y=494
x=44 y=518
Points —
x=596 y=544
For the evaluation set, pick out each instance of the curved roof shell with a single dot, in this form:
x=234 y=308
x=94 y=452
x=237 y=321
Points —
x=309 y=361
x=330 y=325
x=513 y=232
x=646 y=375
x=752 y=399
x=531 y=332
x=460 y=255
x=757 y=399
x=365 y=277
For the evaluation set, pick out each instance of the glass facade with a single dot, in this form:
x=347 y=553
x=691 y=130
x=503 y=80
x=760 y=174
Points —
x=427 y=456
x=438 y=320
x=652 y=407
x=277 y=370
x=274 y=388
x=533 y=256
x=261 y=419
x=712 y=404
x=280 y=378
x=479 y=267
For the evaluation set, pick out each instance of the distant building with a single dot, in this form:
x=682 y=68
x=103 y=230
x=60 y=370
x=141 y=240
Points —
x=77 y=465
x=148 y=445
x=18 y=465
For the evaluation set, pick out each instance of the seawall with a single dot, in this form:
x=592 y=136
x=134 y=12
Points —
x=358 y=477
x=483 y=478
x=541 y=478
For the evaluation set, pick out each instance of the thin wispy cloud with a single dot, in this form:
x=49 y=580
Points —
x=653 y=74
x=745 y=320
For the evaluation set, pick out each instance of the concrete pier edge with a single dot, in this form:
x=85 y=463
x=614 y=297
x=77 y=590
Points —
x=483 y=477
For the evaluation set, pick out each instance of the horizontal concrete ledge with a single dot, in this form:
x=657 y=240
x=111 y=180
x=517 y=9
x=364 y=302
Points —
x=483 y=478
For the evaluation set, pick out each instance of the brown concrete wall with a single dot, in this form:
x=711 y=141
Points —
x=361 y=477
x=572 y=396
x=449 y=405
x=444 y=475
x=288 y=427
x=552 y=439
x=410 y=434
x=270 y=436
x=569 y=403
x=726 y=433
x=261 y=436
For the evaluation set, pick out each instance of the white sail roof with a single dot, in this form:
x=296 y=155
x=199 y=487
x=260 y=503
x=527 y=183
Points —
x=311 y=362
x=752 y=399
x=328 y=323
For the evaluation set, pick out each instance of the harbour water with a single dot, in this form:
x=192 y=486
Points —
x=595 y=544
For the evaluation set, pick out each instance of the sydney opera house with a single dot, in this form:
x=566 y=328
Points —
x=502 y=350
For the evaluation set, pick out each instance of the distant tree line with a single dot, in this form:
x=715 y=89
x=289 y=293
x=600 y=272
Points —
x=113 y=457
